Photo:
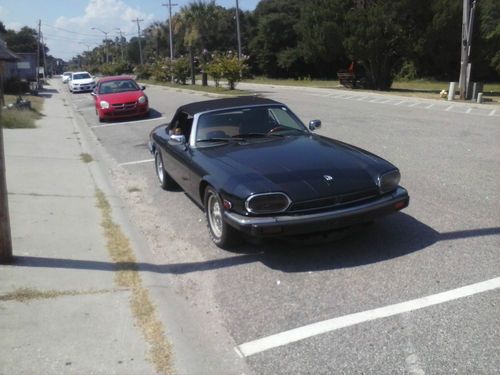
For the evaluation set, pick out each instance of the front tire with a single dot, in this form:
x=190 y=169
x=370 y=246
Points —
x=166 y=182
x=222 y=234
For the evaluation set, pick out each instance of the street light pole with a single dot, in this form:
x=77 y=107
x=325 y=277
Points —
x=105 y=41
x=121 y=42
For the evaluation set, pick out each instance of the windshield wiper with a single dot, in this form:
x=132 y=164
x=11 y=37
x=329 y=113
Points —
x=249 y=135
x=214 y=140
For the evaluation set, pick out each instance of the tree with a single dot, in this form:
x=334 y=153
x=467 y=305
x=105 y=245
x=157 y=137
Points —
x=381 y=33
x=321 y=33
x=274 y=46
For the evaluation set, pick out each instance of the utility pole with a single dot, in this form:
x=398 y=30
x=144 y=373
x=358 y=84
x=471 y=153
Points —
x=139 y=35
x=467 y=27
x=5 y=236
x=38 y=54
x=121 y=42
x=238 y=29
x=170 y=5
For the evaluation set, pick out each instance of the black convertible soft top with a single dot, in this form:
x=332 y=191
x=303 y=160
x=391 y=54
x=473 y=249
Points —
x=211 y=105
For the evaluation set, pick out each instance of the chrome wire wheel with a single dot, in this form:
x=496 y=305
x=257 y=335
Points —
x=159 y=167
x=215 y=215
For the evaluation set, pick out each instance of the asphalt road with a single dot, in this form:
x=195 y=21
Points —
x=448 y=238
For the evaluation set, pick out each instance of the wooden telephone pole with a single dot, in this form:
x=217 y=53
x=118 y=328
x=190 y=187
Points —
x=467 y=27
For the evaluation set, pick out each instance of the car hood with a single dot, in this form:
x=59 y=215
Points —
x=83 y=81
x=121 y=97
x=304 y=167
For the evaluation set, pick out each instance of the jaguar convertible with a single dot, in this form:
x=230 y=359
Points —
x=254 y=167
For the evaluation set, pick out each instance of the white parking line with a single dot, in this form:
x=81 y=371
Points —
x=492 y=112
x=301 y=333
x=429 y=106
x=136 y=162
x=449 y=108
x=468 y=110
x=126 y=123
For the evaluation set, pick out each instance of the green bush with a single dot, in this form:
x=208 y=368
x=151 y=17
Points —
x=161 y=70
x=18 y=119
x=228 y=67
x=142 y=72
x=181 y=70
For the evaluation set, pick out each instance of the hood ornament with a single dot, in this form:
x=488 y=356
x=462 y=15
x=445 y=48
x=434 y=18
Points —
x=328 y=178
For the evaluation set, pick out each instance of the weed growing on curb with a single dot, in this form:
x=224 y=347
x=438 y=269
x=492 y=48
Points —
x=28 y=294
x=86 y=158
x=128 y=276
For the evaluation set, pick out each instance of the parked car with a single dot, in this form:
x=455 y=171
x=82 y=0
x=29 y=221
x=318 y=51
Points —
x=254 y=167
x=118 y=97
x=65 y=77
x=80 y=82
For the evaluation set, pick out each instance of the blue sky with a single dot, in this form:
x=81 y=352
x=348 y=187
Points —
x=67 y=24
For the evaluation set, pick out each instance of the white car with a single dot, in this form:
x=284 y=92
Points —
x=65 y=77
x=81 y=81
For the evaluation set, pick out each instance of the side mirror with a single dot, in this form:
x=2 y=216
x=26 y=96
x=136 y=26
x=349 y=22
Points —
x=143 y=88
x=314 y=124
x=177 y=139
x=93 y=93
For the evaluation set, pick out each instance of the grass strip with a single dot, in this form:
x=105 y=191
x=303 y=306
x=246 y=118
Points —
x=29 y=294
x=127 y=275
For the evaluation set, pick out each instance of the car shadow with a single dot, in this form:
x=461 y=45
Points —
x=153 y=114
x=396 y=236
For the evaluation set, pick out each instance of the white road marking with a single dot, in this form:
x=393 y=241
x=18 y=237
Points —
x=137 y=162
x=401 y=102
x=414 y=104
x=429 y=106
x=126 y=123
x=492 y=112
x=449 y=108
x=301 y=333
x=386 y=101
x=468 y=110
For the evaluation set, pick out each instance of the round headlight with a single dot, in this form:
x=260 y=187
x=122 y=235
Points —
x=267 y=203
x=104 y=104
x=142 y=100
x=388 y=181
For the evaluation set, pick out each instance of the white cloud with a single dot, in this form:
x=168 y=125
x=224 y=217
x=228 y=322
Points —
x=106 y=15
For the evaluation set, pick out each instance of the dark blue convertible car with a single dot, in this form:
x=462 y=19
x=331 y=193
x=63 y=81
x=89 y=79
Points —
x=256 y=168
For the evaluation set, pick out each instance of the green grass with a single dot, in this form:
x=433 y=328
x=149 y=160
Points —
x=21 y=119
x=417 y=88
x=206 y=89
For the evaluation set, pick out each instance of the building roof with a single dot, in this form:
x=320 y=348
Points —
x=211 y=105
x=6 y=54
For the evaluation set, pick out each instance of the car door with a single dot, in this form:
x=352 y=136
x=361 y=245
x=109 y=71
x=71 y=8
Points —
x=177 y=156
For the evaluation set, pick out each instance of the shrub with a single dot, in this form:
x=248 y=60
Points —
x=142 y=71
x=181 y=70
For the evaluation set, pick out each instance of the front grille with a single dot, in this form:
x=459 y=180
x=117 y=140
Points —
x=130 y=106
x=333 y=201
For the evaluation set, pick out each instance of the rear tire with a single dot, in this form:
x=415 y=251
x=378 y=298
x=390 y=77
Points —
x=166 y=182
x=222 y=234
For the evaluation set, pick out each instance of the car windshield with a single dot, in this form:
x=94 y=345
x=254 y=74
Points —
x=81 y=76
x=251 y=122
x=111 y=87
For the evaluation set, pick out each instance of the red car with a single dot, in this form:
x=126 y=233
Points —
x=119 y=97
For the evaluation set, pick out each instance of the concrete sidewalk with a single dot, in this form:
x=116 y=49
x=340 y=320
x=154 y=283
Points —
x=60 y=309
